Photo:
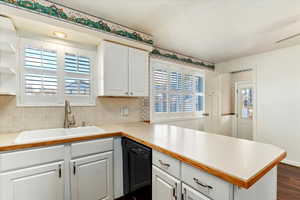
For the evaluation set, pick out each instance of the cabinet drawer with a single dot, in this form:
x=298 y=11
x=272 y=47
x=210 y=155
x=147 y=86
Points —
x=91 y=147
x=205 y=183
x=166 y=163
x=31 y=157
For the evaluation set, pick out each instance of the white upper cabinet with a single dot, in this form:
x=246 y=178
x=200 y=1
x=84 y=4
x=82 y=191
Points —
x=123 y=71
x=138 y=72
x=113 y=74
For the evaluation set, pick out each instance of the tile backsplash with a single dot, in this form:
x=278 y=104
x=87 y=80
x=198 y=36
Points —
x=107 y=110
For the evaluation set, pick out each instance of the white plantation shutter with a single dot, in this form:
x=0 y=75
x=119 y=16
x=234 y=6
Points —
x=77 y=77
x=39 y=58
x=160 y=87
x=51 y=73
x=176 y=91
x=199 y=93
x=40 y=84
x=75 y=86
x=78 y=64
x=40 y=75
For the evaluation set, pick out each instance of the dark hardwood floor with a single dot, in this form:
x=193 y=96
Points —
x=141 y=194
x=288 y=183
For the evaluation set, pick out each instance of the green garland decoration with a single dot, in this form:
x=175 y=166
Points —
x=59 y=13
x=186 y=60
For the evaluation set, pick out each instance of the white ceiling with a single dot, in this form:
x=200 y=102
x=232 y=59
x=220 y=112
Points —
x=216 y=30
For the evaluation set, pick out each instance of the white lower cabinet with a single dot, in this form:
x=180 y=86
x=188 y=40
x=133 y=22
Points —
x=41 y=182
x=189 y=193
x=164 y=186
x=76 y=171
x=92 y=177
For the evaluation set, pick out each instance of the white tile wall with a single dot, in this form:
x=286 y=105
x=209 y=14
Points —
x=107 y=110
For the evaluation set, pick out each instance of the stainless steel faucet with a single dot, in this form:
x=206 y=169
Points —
x=68 y=114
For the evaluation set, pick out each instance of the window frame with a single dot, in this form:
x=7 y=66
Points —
x=61 y=48
x=156 y=63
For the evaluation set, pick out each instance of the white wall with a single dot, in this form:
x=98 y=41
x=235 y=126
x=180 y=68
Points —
x=277 y=77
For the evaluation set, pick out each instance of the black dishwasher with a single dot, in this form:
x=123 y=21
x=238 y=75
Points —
x=137 y=167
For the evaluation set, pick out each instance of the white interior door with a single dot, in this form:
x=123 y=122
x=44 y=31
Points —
x=244 y=110
x=164 y=186
x=43 y=182
x=92 y=177
x=211 y=122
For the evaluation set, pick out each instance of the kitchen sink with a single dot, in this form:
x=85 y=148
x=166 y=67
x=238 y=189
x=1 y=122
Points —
x=58 y=133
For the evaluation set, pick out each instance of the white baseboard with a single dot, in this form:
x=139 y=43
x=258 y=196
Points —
x=289 y=162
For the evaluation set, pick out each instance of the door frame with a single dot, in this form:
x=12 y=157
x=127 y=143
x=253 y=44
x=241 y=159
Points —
x=235 y=124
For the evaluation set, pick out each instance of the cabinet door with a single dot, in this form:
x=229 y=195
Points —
x=44 y=182
x=164 y=186
x=138 y=72
x=92 y=177
x=114 y=75
x=189 y=193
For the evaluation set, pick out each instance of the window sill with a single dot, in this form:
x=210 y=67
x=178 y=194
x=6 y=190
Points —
x=176 y=119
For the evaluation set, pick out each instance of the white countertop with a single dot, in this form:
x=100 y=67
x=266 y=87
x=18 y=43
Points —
x=239 y=159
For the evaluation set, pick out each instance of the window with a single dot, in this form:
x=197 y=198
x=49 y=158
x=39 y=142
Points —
x=177 y=91
x=51 y=73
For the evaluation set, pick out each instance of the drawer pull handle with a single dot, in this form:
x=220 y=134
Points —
x=175 y=191
x=59 y=171
x=164 y=164
x=74 y=168
x=202 y=184
x=183 y=195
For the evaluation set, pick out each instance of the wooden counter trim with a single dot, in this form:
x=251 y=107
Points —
x=265 y=170
x=56 y=142
x=229 y=178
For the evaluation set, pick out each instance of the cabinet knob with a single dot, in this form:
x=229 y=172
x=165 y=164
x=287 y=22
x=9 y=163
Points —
x=131 y=93
x=164 y=164
x=126 y=93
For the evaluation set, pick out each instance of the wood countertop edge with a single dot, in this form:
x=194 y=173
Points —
x=264 y=171
x=227 y=177
x=57 y=141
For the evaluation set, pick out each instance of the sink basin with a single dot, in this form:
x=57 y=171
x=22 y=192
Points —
x=40 y=135
x=87 y=130
x=58 y=133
